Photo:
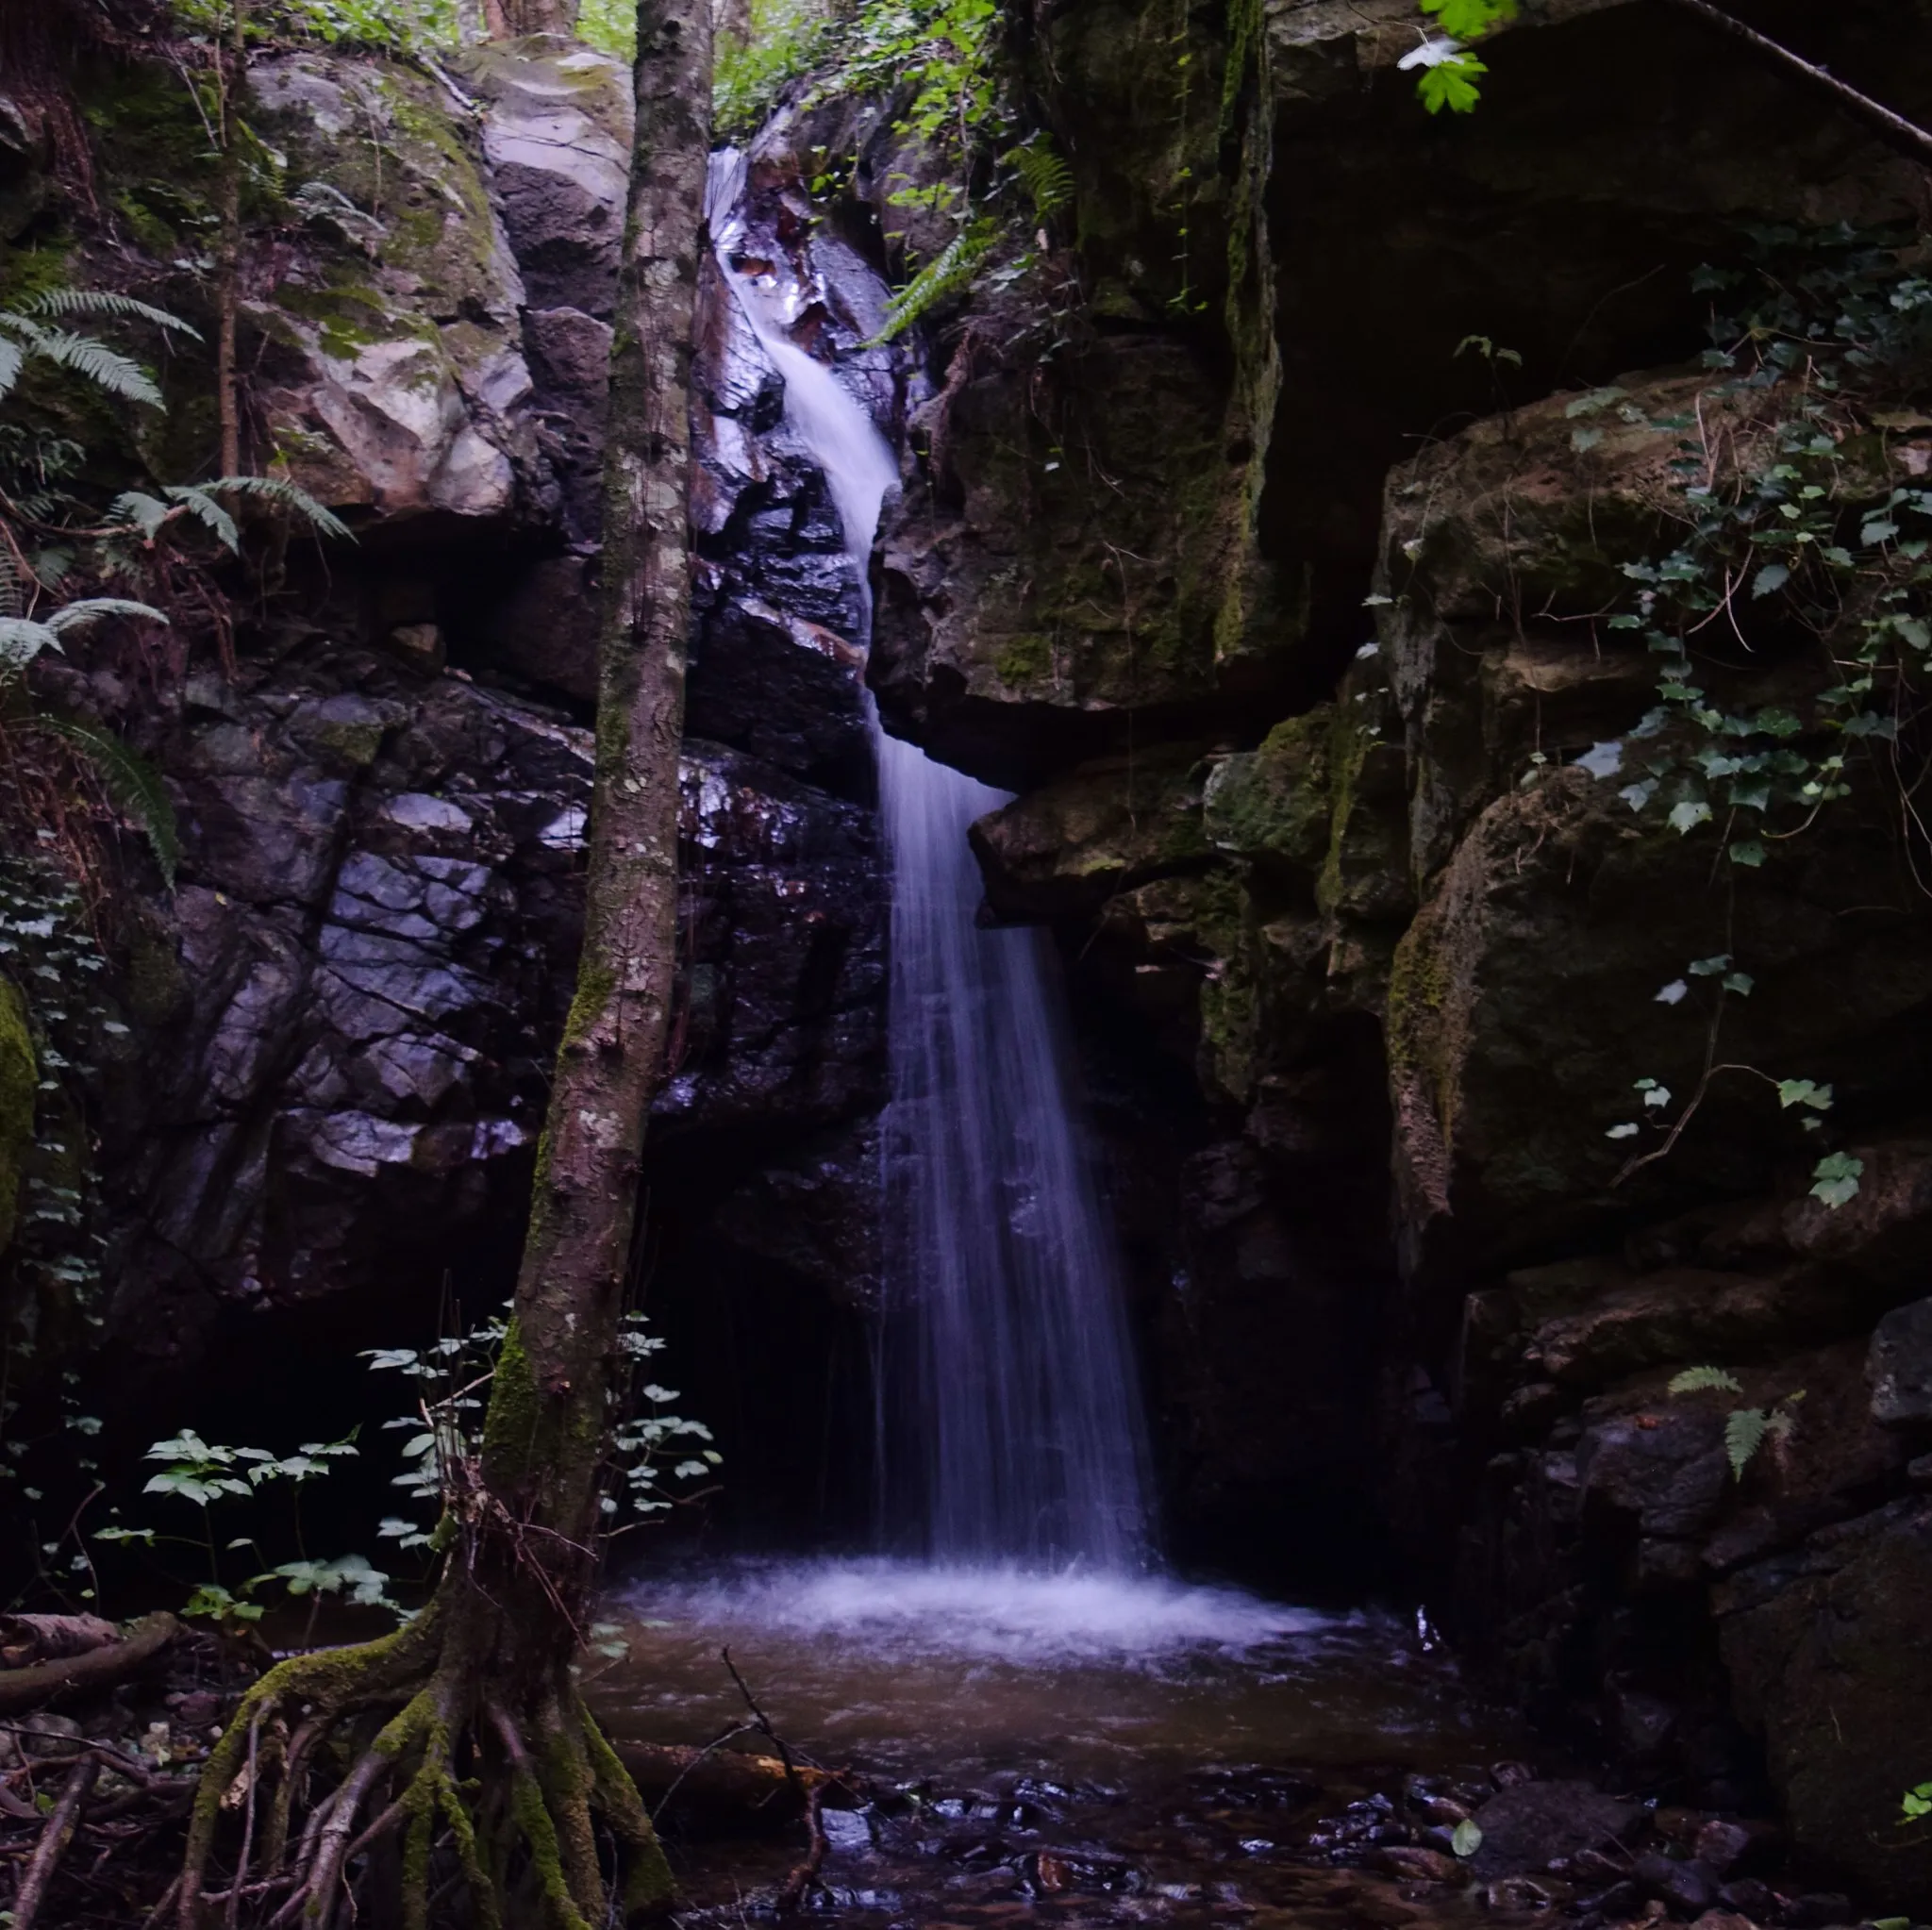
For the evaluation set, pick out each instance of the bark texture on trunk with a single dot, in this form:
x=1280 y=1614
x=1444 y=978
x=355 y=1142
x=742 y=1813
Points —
x=547 y=1415
x=507 y=19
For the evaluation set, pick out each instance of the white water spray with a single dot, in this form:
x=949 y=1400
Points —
x=1013 y=1429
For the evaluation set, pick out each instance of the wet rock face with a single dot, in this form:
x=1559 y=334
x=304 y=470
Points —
x=342 y=1020
x=1066 y=568
x=345 y=1016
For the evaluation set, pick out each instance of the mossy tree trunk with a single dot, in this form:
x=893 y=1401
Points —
x=472 y=1741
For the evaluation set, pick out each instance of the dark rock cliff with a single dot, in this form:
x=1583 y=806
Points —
x=1368 y=941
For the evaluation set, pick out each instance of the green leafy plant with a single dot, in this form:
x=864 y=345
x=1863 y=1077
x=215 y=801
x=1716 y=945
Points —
x=28 y=333
x=442 y=1450
x=394 y=27
x=949 y=272
x=1048 y=179
x=23 y=639
x=206 y=1474
x=1789 y=530
x=1747 y=1430
x=1450 y=74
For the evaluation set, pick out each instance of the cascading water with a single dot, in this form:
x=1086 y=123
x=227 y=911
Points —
x=1012 y=1419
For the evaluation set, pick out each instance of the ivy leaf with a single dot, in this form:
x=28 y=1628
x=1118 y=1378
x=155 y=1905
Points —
x=1803 y=1092
x=1748 y=852
x=1628 y=1130
x=1709 y=968
x=1674 y=994
x=1739 y=982
x=1837 y=1180
x=1685 y=818
x=1772 y=578
x=1467 y=1837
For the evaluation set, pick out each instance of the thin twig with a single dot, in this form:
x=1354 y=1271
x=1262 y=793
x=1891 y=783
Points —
x=1916 y=141
x=765 y=1723
x=54 y=1838
x=802 y=1878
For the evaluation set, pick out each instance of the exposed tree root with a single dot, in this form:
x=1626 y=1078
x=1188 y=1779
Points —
x=493 y=1790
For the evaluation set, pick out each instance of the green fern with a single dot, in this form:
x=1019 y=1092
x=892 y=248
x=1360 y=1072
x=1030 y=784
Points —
x=282 y=494
x=134 y=787
x=23 y=639
x=209 y=512
x=950 y=271
x=101 y=301
x=1745 y=1429
x=1047 y=178
x=136 y=510
x=1701 y=1380
x=106 y=368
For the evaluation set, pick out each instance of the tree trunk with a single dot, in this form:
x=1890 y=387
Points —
x=510 y=18
x=487 y=1749
x=231 y=69
x=731 y=20
x=546 y=1421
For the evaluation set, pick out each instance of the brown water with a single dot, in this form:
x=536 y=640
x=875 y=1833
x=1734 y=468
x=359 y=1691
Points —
x=1077 y=1750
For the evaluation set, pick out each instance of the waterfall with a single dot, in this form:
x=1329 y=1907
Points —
x=1011 y=1416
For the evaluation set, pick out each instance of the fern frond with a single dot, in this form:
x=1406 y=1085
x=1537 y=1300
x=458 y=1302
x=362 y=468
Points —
x=90 y=609
x=283 y=495
x=12 y=604
x=1745 y=1433
x=134 y=787
x=106 y=368
x=102 y=300
x=12 y=360
x=948 y=272
x=138 y=511
x=22 y=640
x=1702 y=1380
x=1047 y=178
x=204 y=510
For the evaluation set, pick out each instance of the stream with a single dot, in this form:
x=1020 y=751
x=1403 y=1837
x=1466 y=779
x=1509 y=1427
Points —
x=1063 y=1747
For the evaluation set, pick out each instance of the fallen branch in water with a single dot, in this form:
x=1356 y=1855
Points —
x=802 y=1878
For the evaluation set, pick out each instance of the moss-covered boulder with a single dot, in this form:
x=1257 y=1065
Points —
x=1065 y=563
x=395 y=380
